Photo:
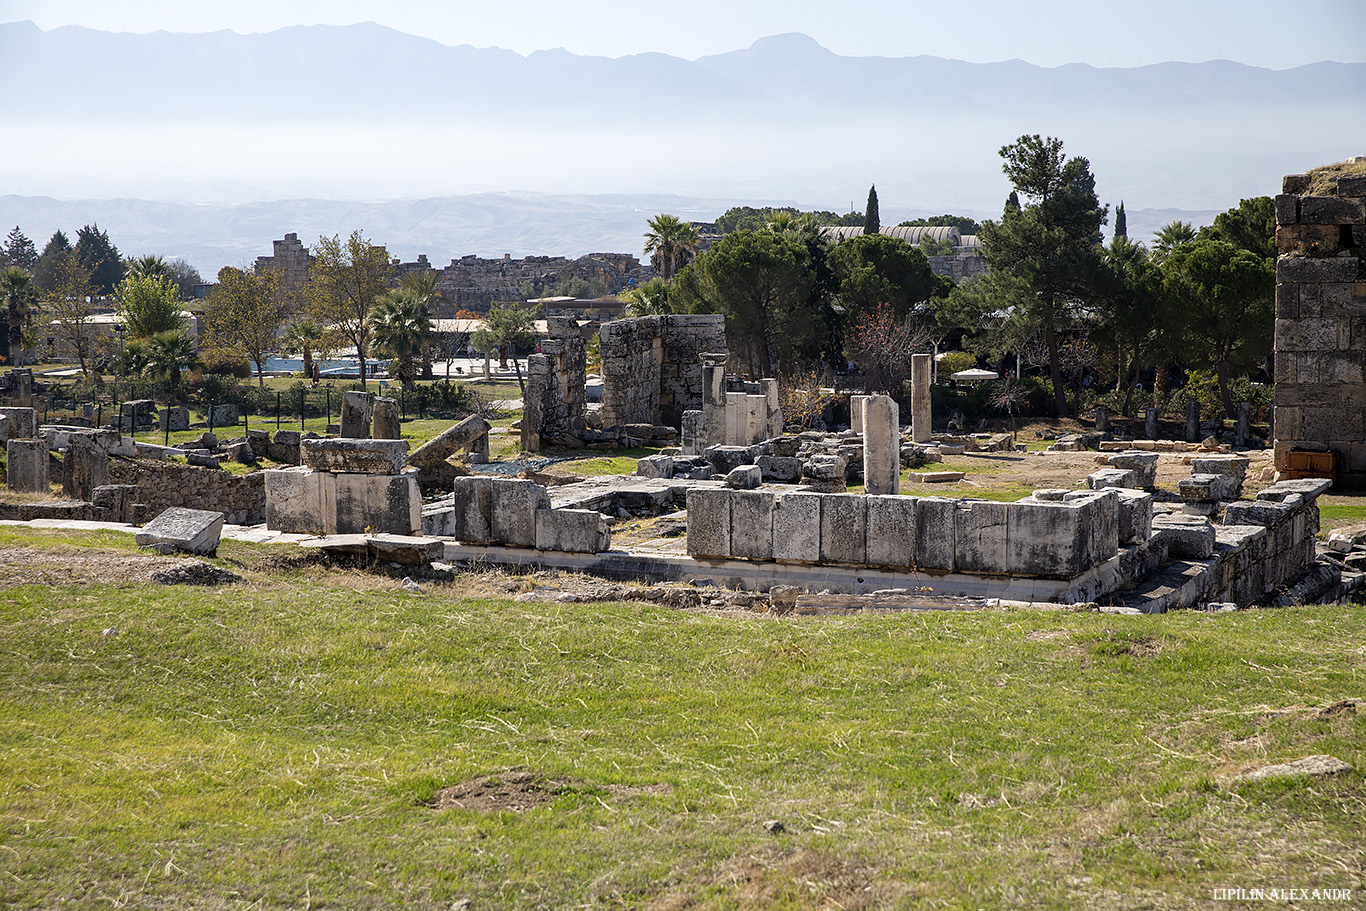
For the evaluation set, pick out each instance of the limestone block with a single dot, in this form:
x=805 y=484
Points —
x=26 y=466
x=301 y=501
x=370 y=503
x=1310 y=489
x=1100 y=518
x=735 y=419
x=1047 y=539
x=1259 y=512
x=355 y=415
x=1316 y=269
x=891 y=531
x=844 y=524
x=780 y=469
x=1134 y=516
x=797 y=527
x=1354 y=185
x=825 y=467
x=920 y=397
x=410 y=550
x=935 y=534
x=1186 y=536
x=655 y=466
x=1142 y=464
x=22 y=424
x=576 y=531
x=694 y=428
x=177 y=416
x=86 y=465
x=439 y=519
x=708 y=522
x=1233 y=466
x=472 y=510
x=386 y=419
x=115 y=501
x=725 y=458
x=194 y=531
x=1287 y=209
x=751 y=525
x=881 y=445
x=856 y=403
x=980 y=536
x=228 y=415
x=1331 y=210
x=201 y=459
x=1207 y=488
x=450 y=441
x=382 y=457
x=1112 y=477
x=514 y=505
x=745 y=477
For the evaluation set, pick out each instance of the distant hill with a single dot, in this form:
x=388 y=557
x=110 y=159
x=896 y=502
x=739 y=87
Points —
x=214 y=235
x=364 y=112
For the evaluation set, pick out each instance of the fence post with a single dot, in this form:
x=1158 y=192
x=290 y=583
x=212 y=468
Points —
x=277 y=411
x=210 y=415
x=328 y=394
x=301 y=409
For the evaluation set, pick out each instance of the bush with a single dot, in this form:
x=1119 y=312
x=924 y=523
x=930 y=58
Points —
x=954 y=361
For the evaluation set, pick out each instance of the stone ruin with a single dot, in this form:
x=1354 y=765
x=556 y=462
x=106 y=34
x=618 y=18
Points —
x=1320 y=341
x=652 y=374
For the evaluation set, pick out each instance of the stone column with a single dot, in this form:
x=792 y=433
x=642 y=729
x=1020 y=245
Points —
x=26 y=466
x=1240 y=429
x=355 y=415
x=1102 y=419
x=881 y=445
x=714 y=427
x=386 y=420
x=1150 y=423
x=1192 y=421
x=856 y=403
x=735 y=419
x=775 y=409
x=88 y=466
x=920 y=397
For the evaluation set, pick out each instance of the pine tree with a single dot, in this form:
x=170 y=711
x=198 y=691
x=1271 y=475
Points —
x=19 y=251
x=45 y=271
x=1121 y=224
x=872 y=222
x=1013 y=201
x=100 y=257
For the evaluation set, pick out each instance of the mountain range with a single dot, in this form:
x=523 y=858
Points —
x=454 y=150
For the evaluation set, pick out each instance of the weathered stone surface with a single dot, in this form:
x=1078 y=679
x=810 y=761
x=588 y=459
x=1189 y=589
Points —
x=1233 y=466
x=797 y=527
x=1331 y=210
x=21 y=424
x=86 y=465
x=780 y=469
x=1186 y=536
x=1134 y=516
x=920 y=397
x=194 y=531
x=725 y=458
x=1316 y=269
x=410 y=550
x=26 y=466
x=177 y=416
x=224 y=416
x=744 y=477
x=578 y=531
x=514 y=504
x=935 y=534
x=980 y=536
x=891 y=532
x=751 y=525
x=1208 y=488
x=386 y=419
x=844 y=524
x=301 y=501
x=1111 y=477
x=709 y=522
x=1308 y=488
x=355 y=415
x=374 y=504
x=1142 y=464
x=881 y=445
x=656 y=466
x=383 y=457
x=450 y=441
x=471 y=516
x=201 y=459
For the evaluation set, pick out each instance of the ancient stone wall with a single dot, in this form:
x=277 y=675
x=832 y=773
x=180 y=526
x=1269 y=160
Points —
x=472 y=282
x=291 y=259
x=555 y=402
x=241 y=498
x=652 y=366
x=1320 y=359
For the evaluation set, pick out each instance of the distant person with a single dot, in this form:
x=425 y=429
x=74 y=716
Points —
x=316 y=375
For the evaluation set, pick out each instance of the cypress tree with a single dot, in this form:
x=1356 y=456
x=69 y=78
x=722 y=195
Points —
x=101 y=257
x=1013 y=202
x=19 y=251
x=872 y=222
x=1121 y=224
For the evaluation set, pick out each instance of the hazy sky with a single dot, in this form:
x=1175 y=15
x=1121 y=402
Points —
x=1270 y=33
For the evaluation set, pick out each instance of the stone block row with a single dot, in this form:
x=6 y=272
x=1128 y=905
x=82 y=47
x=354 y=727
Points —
x=513 y=512
x=304 y=500
x=1056 y=539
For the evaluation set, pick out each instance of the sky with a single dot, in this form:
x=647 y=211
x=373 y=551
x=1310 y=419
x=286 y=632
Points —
x=1043 y=32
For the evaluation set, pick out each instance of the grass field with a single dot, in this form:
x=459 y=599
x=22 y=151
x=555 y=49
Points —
x=281 y=743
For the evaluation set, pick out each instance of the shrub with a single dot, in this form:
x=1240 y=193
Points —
x=954 y=361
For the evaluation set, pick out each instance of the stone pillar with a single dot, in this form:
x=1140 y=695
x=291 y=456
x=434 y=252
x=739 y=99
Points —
x=26 y=466
x=87 y=466
x=386 y=419
x=856 y=403
x=756 y=419
x=1192 y=421
x=1150 y=423
x=693 y=431
x=714 y=428
x=1240 y=429
x=178 y=416
x=1102 y=419
x=775 y=409
x=735 y=419
x=24 y=393
x=355 y=415
x=920 y=397
x=881 y=445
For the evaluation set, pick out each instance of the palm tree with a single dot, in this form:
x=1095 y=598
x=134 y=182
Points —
x=149 y=266
x=166 y=354
x=425 y=286
x=1169 y=238
x=305 y=337
x=399 y=326
x=671 y=243
x=19 y=294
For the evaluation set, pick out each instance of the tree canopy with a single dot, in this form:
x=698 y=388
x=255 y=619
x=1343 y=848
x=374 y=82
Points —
x=18 y=251
x=671 y=243
x=101 y=258
x=148 y=304
x=872 y=219
x=243 y=318
x=345 y=281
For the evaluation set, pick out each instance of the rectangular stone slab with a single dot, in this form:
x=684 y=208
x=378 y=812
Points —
x=980 y=536
x=891 y=530
x=708 y=522
x=194 y=531
x=935 y=533
x=751 y=525
x=385 y=457
x=797 y=527
x=580 y=531
x=378 y=504
x=844 y=528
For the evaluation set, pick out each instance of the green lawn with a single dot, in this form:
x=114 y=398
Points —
x=275 y=744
